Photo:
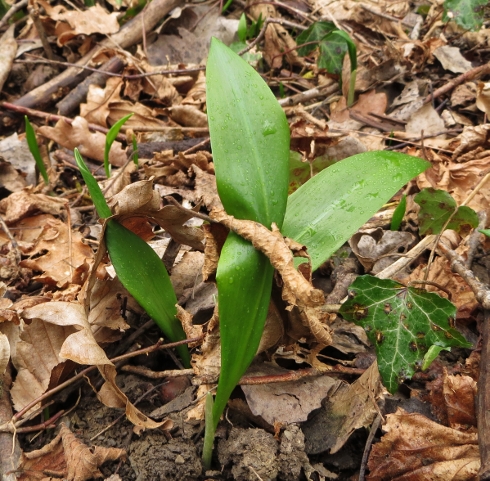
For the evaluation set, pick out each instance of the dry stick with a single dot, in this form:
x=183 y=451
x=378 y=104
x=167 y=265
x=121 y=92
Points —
x=308 y=95
x=99 y=77
x=128 y=35
x=12 y=11
x=60 y=387
x=53 y=118
x=34 y=14
x=470 y=75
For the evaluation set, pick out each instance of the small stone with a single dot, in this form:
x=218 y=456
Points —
x=179 y=459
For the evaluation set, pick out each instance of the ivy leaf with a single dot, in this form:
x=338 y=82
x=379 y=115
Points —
x=468 y=14
x=313 y=33
x=332 y=52
x=402 y=323
x=436 y=206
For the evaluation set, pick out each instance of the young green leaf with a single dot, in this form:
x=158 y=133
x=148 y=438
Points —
x=143 y=274
x=34 y=148
x=399 y=214
x=468 y=14
x=93 y=187
x=314 y=33
x=138 y=267
x=135 y=151
x=436 y=207
x=402 y=323
x=250 y=142
x=242 y=28
x=324 y=213
x=486 y=232
x=109 y=140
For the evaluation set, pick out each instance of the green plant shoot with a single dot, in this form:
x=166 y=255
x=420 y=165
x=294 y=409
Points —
x=109 y=140
x=250 y=142
x=34 y=148
x=138 y=267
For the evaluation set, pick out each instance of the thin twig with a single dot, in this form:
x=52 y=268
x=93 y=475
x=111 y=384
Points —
x=465 y=77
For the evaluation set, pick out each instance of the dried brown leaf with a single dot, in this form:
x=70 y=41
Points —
x=68 y=456
x=59 y=254
x=19 y=205
x=415 y=448
x=297 y=290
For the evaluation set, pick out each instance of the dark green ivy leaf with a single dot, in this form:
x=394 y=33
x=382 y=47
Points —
x=314 y=33
x=436 y=206
x=402 y=323
x=332 y=52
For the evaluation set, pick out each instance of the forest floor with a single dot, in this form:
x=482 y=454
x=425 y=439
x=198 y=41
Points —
x=90 y=389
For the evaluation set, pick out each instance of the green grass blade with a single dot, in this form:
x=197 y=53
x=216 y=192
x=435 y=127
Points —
x=399 y=214
x=324 y=213
x=93 y=187
x=143 y=274
x=109 y=140
x=34 y=148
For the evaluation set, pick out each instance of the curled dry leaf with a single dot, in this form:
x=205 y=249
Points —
x=8 y=47
x=297 y=290
x=190 y=329
x=414 y=447
x=90 y=144
x=139 y=198
x=68 y=456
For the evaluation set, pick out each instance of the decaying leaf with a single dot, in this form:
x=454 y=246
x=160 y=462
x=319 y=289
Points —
x=286 y=402
x=414 y=447
x=68 y=457
x=297 y=290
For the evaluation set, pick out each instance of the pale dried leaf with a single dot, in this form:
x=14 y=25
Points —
x=8 y=49
x=286 y=402
x=4 y=352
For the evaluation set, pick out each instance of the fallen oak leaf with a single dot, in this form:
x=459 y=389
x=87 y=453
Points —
x=68 y=456
x=297 y=290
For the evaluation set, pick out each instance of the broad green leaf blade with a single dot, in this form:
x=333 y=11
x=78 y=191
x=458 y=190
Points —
x=109 y=140
x=399 y=214
x=93 y=187
x=468 y=14
x=436 y=207
x=143 y=274
x=314 y=33
x=402 y=323
x=324 y=213
x=249 y=138
x=34 y=149
x=332 y=53
x=244 y=280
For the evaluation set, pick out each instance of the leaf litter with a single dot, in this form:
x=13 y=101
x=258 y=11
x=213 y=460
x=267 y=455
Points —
x=421 y=89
